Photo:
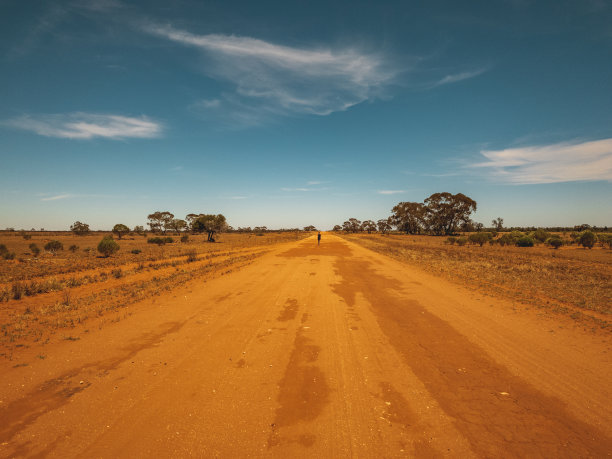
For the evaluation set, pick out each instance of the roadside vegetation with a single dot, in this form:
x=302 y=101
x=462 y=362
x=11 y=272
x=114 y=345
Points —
x=51 y=282
x=567 y=270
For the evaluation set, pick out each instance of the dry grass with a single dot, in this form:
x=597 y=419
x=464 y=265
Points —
x=41 y=295
x=570 y=280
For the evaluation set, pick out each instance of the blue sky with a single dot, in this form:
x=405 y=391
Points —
x=287 y=114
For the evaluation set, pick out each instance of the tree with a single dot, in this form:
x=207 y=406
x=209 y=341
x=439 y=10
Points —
x=160 y=221
x=369 y=226
x=480 y=238
x=310 y=228
x=352 y=225
x=178 y=225
x=337 y=228
x=409 y=217
x=446 y=211
x=80 y=229
x=120 y=229
x=210 y=224
x=139 y=229
x=498 y=223
x=384 y=225
x=108 y=246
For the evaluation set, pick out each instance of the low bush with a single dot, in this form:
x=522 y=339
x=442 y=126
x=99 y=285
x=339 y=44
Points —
x=525 y=241
x=185 y=238
x=540 y=235
x=54 y=246
x=587 y=239
x=136 y=251
x=107 y=246
x=555 y=242
x=192 y=256
x=451 y=240
x=73 y=248
x=34 y=249
x=462 y=241
x=480 y=238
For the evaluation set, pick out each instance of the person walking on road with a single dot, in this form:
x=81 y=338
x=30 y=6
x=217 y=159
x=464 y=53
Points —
x=319 y=238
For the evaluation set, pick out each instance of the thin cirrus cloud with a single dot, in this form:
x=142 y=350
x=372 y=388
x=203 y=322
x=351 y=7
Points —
x=390 y=191
x=560 y=162
x=283 y=80
x=87 y=126
x=454 y=78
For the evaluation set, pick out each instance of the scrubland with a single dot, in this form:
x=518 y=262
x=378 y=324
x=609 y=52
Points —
x=571 y=280
x=48 y=295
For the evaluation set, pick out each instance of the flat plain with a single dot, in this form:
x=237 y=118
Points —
x=275 y=346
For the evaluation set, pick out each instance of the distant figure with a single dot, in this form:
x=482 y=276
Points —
x=319 y=238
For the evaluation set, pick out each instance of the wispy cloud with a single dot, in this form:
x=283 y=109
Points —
x=284 y=79
x=390 y=191
x=60 y=196
x=57 y=197
x=454 y=78
x=87 y=126
x=560 y=162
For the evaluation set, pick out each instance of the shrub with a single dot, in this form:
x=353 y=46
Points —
x=555 y=242
x=540 y=235
x=192 y=255
x=17 y=291
x=185 y=238
x=3 y=249
x=73 y=248
x=587 y=239
x=107 y=246
x=462 y=241
x=4 y=253
x=480 y=238
x=117 y=273
x=26 y=236
x=54 y=246
x=169 y=240
x=34 y=249
x=451 y=240
x=156 y=240
x=525 y=241
x=605 y=239
x=136 y=251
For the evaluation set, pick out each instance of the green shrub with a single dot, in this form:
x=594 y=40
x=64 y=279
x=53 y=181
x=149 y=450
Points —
x=525 y=241
x=73 y=248
x=54 y=246
x=451 y=240
x=462 y=241
x=156 y=240
x=4 y=253
x=185 y=238
x=540 y=235
x=136 y=251
x=587 y=239
x=34 y=249
x=107 y=246
x=169 y=240
x=480 y=238
x=555 y=242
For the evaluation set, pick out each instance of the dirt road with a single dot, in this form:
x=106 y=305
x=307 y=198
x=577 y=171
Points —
x=316 y=351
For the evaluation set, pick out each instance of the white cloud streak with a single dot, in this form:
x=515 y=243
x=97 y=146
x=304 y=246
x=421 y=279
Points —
x=390 y=191
x=282 y=79
x=87 y=126
x=57 y=197
x=560 y=162
x=454 y=78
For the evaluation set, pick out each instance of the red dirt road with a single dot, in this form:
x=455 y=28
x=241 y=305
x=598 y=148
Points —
x=317 y=351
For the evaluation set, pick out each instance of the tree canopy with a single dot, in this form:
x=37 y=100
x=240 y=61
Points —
x=120 y=229
x=208 y=223
x=80 y=229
